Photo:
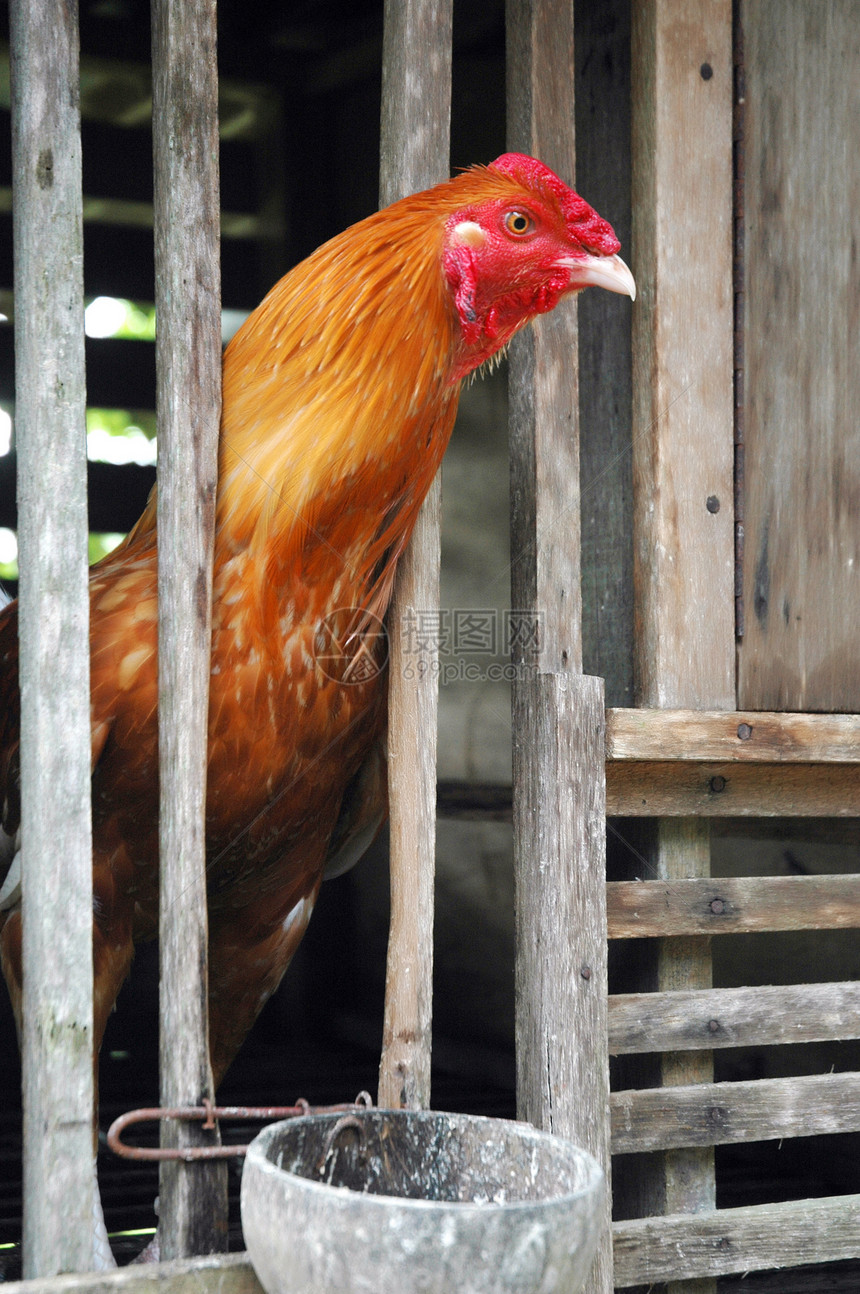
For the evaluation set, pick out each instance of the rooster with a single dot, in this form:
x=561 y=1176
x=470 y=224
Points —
x=339 y=396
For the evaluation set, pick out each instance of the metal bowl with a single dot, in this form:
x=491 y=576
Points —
x=398 y=1201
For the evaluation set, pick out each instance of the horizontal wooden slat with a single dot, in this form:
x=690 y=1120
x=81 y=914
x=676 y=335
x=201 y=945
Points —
x=215 y=1274
x=491 y=802
x=732 y=905
x=757 y=1238
x=679 y=789
x=737 y=1017
x=714 y=1114
x=676 y=788
x=717 y=735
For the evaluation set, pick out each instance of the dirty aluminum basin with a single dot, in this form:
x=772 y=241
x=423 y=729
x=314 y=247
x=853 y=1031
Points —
x=397 y=1201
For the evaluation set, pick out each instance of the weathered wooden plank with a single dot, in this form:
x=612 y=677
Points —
x=682 y=353
x=724 y=1241
x=543 y=384
x=56 y=850
x=737 y=1240
x=558 y=778
x=561 y=967
x=224 y=1274
x=233 y=1273
x=767 y=1015
x=685 y=1181
x=715 y=1114
x=488 y=801
x=193 y=1216
x=683 y=438
x=416 y=114
x=802 y=383
x=732 y=905
x=678 y=789
x=699 y=736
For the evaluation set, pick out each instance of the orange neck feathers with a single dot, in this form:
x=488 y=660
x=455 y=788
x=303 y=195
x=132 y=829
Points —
x=334 y=425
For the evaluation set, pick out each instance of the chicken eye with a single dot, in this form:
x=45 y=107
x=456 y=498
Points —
x=518 y=223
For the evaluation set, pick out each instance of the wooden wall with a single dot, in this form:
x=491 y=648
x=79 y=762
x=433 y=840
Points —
x=802 y=382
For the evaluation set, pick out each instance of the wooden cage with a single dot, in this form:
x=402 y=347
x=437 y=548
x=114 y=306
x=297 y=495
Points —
x=729 y=555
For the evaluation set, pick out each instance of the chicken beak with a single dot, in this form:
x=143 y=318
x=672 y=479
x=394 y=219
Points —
x=608 y=272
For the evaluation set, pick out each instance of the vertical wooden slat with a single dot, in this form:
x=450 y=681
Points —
x=560 y=877
x=683 y=446
x=603 y=177
x=414 y=154
x=544 y=384
x=54 y=619
x=682 y=353
x=686 y=1181
x=802 y=381
x=558 y=714
x=188 y=356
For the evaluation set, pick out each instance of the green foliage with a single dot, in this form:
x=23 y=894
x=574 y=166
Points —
x=117 y=317
x=102 y=544
x=121 y=435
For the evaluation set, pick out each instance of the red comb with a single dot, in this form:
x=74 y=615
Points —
x=584 y=223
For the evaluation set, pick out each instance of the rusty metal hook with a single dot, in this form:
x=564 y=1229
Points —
x=342 y=1124
x=206 y=1114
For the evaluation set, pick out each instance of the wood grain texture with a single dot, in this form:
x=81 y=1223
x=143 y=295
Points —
x=802 y=385
x=558 y=777
x=802 y=1231
x=224 y=1274
x=491 y=802
x=682 y=354
x=698 y=735
x=416 y=114
x=404 y=1070
x=683 y=443
x=561 y=968
x=737 y=1240
x=711 y=1114
x=416 y=97
x=716 y=790
x=56 y=854
x=193 y=1217
x=685 y=1182
x=233 y=1273
x=732 y=905
x=767 y=1015
x=543 y=382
